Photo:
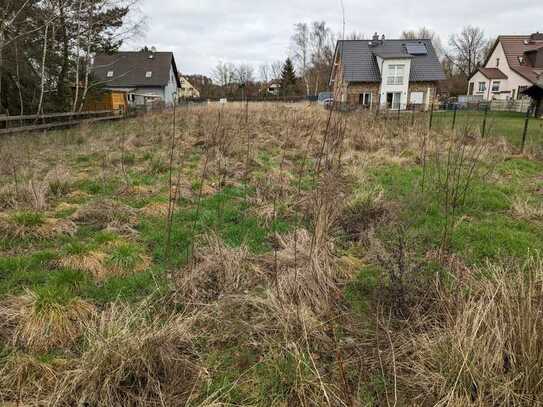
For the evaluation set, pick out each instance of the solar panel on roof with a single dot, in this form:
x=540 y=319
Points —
x=416 y=49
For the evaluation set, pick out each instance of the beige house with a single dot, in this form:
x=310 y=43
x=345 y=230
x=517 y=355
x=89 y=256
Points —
x=187 y=91
x=393 y=74
x=512 y=67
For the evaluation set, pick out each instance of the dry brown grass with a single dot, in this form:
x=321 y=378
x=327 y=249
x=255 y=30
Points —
x=524 y=209
x=107 y=213
x=216 y=271
x=132 y=361
x=26 y=380
x=487 y=348
x=40 y=324
x=48 y=228
x=92 y=262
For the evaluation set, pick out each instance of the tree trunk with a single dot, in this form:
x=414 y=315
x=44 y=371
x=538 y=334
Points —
x=77 y=59
x=18 y=82
x=61 y=82
x=2 y=109
x=44 y=56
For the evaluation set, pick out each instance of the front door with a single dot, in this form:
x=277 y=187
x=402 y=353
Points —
x=471 y=85
x=393 y=100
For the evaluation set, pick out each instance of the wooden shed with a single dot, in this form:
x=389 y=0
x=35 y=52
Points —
x=107 y=100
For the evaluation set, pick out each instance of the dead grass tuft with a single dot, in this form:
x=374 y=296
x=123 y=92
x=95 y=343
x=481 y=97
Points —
x=218 y=270
x=40 y=321
x=26 y=380
x=487 y=348
x=524 y=209
x=130 y=360
x=106 y=213
x=91 y=262
x=34 y=225
x=306 y=274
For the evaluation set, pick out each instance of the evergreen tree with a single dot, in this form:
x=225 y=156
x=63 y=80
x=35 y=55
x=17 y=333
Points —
x=288 y=78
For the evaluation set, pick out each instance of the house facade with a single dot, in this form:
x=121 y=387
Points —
x=393 y=74
x=187 y=90
x=513 y=66
x=145 y=76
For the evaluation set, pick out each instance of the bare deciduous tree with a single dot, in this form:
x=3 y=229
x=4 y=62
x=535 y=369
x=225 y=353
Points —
x=468 y=50
x=301 y=43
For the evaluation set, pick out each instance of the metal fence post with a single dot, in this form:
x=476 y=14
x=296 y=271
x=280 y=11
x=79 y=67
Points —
x=431 y=115
x=412 y=115
x=525 y=131
x=483 y=130
x=454 y=116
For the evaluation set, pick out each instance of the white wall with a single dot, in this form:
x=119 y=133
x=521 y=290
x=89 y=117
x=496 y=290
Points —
x=513 y=81
x=170 y=91
x=385 y=88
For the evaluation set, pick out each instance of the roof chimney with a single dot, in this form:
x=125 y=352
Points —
x=375 y=37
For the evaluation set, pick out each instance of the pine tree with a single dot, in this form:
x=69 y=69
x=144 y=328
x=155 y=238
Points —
x=288 y=78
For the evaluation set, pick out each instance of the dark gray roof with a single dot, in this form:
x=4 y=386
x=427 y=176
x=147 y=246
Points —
x=130 y=68
x=360 y=62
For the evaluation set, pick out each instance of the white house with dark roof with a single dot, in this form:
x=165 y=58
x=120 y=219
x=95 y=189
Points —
x=144 y=75
x=394 y=74
x=513 y=66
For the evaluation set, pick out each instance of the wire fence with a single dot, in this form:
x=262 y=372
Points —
x=518 y=128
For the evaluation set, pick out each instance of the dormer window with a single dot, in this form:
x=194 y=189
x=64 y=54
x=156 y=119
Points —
x=149 y=74
x=521 y=60
x=110 y=74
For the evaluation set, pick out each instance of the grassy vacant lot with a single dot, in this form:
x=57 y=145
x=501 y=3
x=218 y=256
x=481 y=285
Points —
x=272 y=255
x=509 y=125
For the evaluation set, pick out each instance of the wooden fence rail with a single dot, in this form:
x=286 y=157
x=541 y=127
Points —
x=18 y=124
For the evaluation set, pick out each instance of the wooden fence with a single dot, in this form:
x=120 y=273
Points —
x=18 y=124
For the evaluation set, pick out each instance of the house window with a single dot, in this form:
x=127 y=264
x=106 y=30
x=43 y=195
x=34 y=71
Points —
x=149 y=74
x=497 y=62
x=365 y=99
x=496 y=86
x=521 y=89
x=482 y=86
x=110 y=74
x=395 y=74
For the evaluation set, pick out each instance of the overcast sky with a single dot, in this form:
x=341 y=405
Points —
x=204 y=32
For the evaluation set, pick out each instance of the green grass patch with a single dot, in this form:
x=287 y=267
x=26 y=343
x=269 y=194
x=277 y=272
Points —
x=29 y=219
x=226 y=213
x=484 y=227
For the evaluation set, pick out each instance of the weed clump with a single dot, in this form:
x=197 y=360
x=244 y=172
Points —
x=45 y=319
x=130 y=360
x=106 y=213
x=218 y=270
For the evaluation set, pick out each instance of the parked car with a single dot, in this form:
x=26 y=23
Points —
x=326 y=98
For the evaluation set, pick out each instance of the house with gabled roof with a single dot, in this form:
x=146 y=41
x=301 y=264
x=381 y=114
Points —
x=394 y=74
x=145 y=76
x=512 y=66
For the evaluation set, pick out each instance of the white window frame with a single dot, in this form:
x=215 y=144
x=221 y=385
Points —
x=396 y=73
x=110 y=74
x=496 y=86
x=482 y=86
x=149 y=74
x=369 y=97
